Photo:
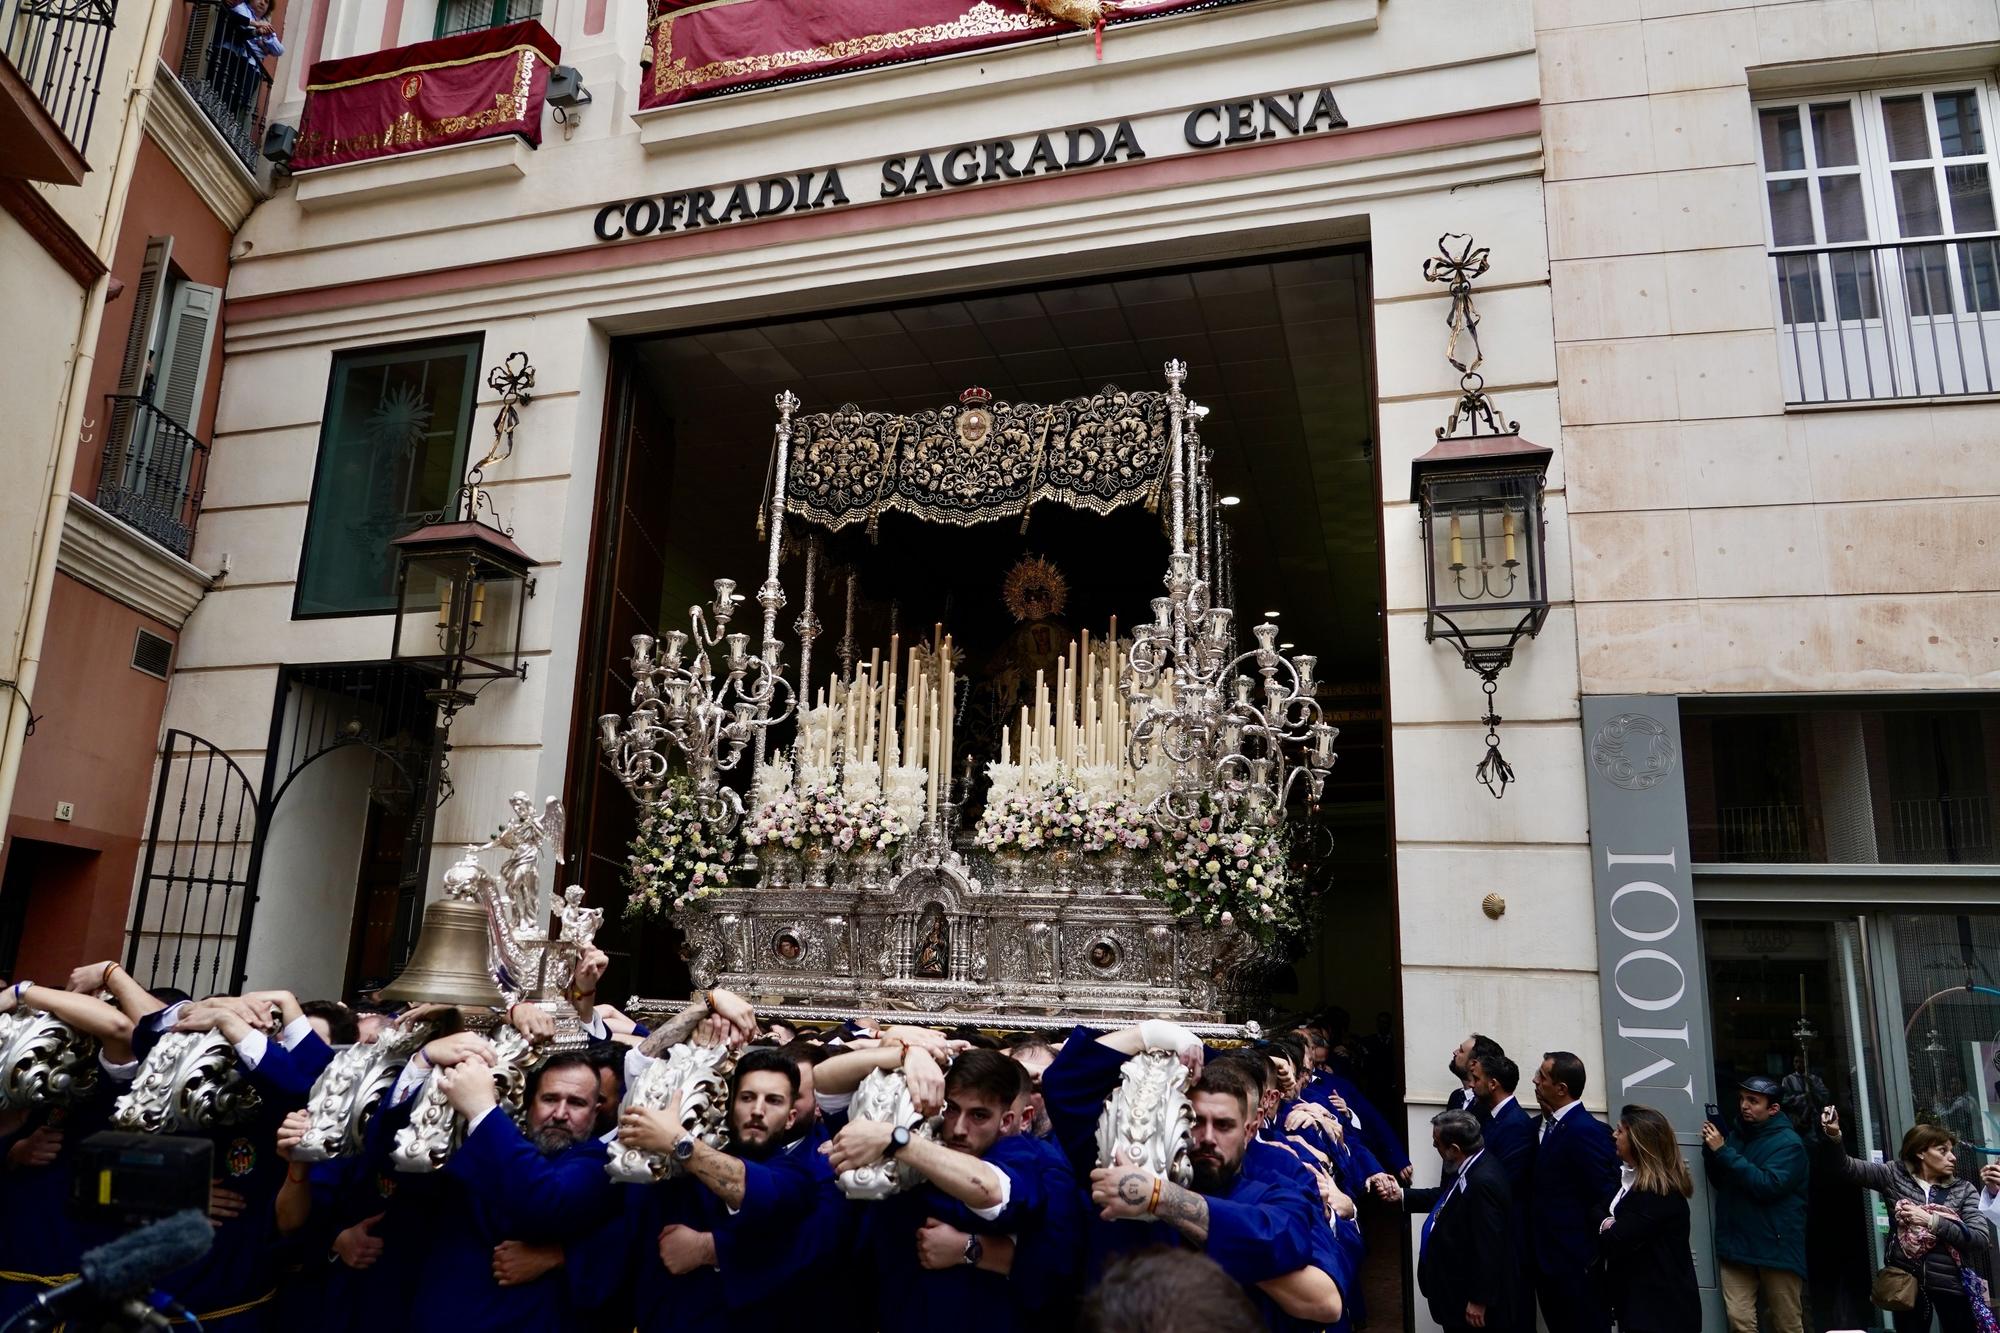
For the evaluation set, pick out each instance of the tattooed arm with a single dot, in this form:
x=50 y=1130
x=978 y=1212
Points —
x=1131 y=1192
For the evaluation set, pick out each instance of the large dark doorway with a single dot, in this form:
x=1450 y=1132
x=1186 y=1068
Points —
x=1278 y=349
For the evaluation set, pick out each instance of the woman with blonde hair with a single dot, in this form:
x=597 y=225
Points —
x=1645 y=1244
x=1937 y=1233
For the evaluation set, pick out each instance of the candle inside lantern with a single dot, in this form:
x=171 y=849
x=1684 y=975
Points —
x=1457 y=545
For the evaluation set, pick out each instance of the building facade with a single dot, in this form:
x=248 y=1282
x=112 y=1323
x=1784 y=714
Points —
x=1742 y=267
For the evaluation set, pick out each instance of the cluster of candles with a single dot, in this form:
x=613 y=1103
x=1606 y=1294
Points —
x=1083 y=717
x=870 y=737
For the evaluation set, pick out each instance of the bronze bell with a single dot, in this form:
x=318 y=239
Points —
x=449 y=964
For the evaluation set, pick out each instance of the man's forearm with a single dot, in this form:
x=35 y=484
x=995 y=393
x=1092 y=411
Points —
x=87 y=1014
x=1305 y=1293
x=677 y=1030
x=135 y=1000
x=974 y=1183
x=1186 y=1209
x=719 y=1171
x=844 y=1072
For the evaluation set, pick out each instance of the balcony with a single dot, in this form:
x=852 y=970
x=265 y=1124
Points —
x=222 y=67
x=153 y=473
x=1906 y=320
x=51 y=71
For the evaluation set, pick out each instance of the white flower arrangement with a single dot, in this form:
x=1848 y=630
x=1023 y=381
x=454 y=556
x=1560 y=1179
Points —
x=1224 y=875
x=677 y=858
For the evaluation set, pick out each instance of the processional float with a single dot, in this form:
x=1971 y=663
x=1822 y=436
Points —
x=859 y=893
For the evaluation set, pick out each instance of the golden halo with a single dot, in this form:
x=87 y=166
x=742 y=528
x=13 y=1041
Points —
x=1035 y=589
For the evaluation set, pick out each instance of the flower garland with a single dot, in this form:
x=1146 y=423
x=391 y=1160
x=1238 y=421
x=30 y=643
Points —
x=1054 y=816
x=677 y=858
x=1113 y=823
x=1226 y=875
x=820 y=816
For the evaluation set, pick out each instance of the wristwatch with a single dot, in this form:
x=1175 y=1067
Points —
x=899 y=1139
x=684 y=1148
x=973 y=1250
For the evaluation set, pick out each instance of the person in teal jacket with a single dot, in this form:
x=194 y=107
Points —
x=1759 y=1174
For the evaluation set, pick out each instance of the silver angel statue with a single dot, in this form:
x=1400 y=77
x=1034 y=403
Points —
x=348 y=1091
x=524 y=840
x=884 y=1095
x=43 y=1061
x=700 y=1074
x=188 y=1082
x=436 y=1128
x=1147 y=1121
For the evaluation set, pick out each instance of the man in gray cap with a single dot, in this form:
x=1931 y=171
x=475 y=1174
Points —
x=1759 y=1175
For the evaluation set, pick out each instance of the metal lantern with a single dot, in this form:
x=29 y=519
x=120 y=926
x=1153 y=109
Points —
x=461 y=590
x=1486 y=580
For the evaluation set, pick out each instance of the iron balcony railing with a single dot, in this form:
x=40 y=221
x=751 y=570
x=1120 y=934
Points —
x=222 y=67
x=1763 y=833
x=154 y=470
x=1907 y=319
x=58 y=49
x=1942 y=829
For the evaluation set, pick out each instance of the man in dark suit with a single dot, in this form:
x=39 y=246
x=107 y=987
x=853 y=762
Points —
x=1510 y=1141
x=1466 y=1264
x=1576 y=1175
x=1461 y=1098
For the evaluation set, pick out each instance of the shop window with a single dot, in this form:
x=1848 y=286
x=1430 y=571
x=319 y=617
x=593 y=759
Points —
x=1908 y=786
x=392 y=450
x=1884 y=250
x=456 y=16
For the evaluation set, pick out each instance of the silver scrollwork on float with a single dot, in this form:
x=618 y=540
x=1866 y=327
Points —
x=436 y=1129
x=189 y=1082
x=1147 y=1121
x=43 y=1061
x=884 y=1095
x=700 y=1074
x=350 y=1088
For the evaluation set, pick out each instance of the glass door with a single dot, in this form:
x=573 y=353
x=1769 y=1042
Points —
x=1791 y=999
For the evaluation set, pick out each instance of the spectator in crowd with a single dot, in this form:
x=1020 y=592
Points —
x=1759 y=1176
x=1467 y=1264
x=1937 y=1232
x=1575 y=1175
x=1648 y=1263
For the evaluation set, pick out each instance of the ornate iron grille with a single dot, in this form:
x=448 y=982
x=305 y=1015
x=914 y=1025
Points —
x=153 y=473
x=223 y=70
x=58 y=48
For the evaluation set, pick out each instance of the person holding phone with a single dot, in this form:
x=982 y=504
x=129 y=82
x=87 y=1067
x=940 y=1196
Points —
x=1937 y=1226
x=1759 y=1174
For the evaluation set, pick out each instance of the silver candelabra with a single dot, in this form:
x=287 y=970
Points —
x=680 y=702
x=1241 y=741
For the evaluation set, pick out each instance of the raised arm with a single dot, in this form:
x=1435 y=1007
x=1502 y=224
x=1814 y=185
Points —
x=132 y=998
x=1305 y=1293
x=85 y=1013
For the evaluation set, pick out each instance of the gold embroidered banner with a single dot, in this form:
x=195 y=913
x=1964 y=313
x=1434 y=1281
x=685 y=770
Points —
x=700 y=49
x=474 y=85
x=979 y=461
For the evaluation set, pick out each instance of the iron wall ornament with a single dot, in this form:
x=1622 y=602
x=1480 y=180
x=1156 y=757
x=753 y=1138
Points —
x=1479 y=499
x=1148 y=1120
x=700 y=1076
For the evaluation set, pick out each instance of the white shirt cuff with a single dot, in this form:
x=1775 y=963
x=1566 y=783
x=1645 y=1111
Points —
x=636 y=1061
x=295 y=1032
x=123 y=1072
x=407 y=1082
x=1006 y=1196
x=172 y=1015
x=597 y=1029
x=251 y=1049
x=474 y=1123
x=833 y=1103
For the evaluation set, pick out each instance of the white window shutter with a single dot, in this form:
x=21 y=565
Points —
x=184 y=352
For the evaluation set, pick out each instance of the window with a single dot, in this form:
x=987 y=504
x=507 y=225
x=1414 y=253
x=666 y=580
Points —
x=151 y=470
x=391 y=450
x=456 y=16
x=1883 y=242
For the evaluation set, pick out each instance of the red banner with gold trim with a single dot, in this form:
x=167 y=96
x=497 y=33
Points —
x=705 y=47
x=475 y=85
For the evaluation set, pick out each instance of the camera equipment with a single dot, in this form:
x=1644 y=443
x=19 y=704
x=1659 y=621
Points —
x=130 y=1177
x=113 y=1288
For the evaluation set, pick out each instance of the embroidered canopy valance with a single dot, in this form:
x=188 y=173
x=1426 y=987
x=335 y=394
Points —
x=980 y=460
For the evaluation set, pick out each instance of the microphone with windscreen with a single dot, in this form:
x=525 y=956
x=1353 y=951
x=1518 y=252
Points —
x=120 y=1271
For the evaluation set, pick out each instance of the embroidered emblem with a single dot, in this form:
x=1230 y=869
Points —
x=242 y=1157
x=411 y=85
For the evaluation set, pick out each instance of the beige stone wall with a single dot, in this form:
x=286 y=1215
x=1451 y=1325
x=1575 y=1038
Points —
x=1723 y=543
